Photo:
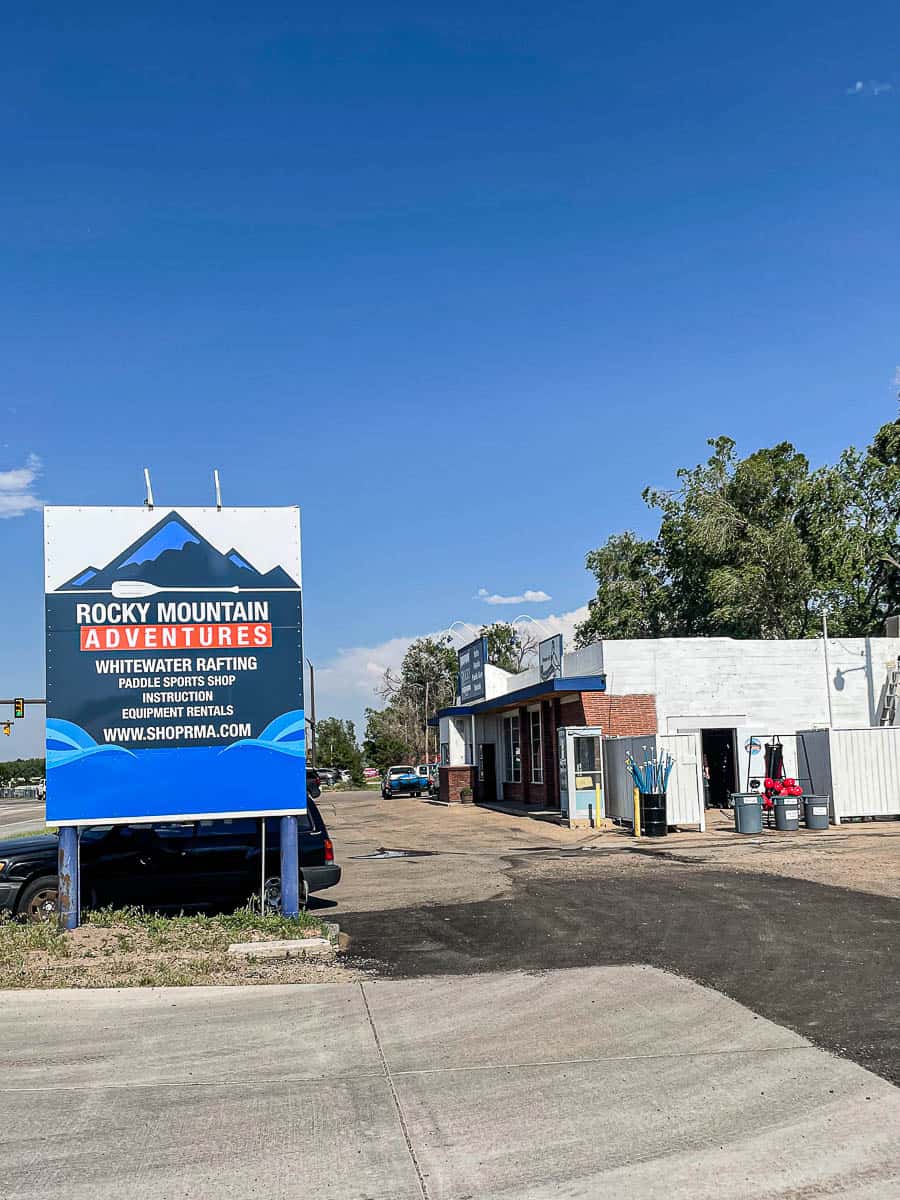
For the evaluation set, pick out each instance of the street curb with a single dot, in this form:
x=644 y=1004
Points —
x=284 y=948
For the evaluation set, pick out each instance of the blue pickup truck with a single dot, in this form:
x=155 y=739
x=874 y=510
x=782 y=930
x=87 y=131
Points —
x=401 y=781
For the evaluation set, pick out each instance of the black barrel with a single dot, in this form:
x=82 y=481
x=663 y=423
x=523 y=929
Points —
x=653 y=814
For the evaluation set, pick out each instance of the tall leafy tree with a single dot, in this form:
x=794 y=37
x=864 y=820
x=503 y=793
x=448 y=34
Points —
x=336 y=746
x=385 y=743
x=850 y=525
x=425 y=683
x=758 y=547
x=509 y=647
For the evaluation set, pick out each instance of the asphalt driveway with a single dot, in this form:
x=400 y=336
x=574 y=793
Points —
x=483 y=892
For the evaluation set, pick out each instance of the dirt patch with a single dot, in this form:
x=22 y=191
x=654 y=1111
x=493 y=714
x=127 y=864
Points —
x=130 y=949
x=864 y=856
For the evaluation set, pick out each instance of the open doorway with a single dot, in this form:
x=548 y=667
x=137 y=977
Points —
x=487 y=754
x=719 y=766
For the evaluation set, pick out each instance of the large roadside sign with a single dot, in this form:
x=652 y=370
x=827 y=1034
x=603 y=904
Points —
x=471 y=660
x=174 y=664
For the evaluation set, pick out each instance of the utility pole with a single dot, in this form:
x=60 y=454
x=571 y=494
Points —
x=426 y=721
x=312 y=713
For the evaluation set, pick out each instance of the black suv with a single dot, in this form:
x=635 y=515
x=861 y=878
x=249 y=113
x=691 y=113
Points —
x=166 y=866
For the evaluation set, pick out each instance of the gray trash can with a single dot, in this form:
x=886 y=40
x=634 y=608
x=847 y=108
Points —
x=816 y=812
x=747 y=812
x=787 y=812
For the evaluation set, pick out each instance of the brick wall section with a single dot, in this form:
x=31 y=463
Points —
x=452 y=780
x=617 y=716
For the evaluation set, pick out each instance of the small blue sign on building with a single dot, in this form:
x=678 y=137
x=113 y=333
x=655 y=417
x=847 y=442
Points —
x=472 y=659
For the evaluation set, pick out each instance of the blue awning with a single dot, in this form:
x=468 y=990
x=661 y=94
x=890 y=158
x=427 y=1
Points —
x=552 y=688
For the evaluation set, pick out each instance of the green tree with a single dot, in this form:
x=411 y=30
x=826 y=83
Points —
x=425 y=683
x=336 y=747
x=385 y=742
x=508 y=646
x=758 y=547
x=21 y=769
x=632 y=597
x=850 y=526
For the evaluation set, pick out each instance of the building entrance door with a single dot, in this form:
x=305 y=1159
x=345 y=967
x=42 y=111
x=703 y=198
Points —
x=719 y=766
x=487 y=774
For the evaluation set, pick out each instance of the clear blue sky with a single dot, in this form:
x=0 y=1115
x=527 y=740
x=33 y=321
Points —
x=458 y=279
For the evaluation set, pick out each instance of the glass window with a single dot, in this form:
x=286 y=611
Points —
x=537 y=758
x=586 y=755
x=512 y=759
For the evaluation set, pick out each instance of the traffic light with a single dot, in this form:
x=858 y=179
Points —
x=7 y=728
x=18 y=708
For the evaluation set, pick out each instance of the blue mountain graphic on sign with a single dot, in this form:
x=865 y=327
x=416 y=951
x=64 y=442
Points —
x=238 y=560
x=173 y=554
x=170 y=536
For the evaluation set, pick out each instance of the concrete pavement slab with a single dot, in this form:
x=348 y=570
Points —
x=325 y=1140
x=527 y=1017
x=495 y=1088
x=185 y=1035
x=787 y=1123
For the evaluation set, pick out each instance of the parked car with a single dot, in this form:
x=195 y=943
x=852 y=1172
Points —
x=399 y=781
x=428 y=773
x=327 y=775
x=166 y=866
x=313 y=783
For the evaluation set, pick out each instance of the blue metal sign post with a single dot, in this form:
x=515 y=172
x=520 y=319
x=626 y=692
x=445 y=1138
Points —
x=69 y=878
x=174 y=673
x=290 y=868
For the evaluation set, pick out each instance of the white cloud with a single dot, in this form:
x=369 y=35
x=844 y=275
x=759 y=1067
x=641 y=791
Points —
x=346 y=684
x=17 y=488
x=871 y=87
x=897 y=377
x=527 y=597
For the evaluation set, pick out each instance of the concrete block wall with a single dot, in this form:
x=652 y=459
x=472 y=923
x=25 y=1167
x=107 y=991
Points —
x=776 y=686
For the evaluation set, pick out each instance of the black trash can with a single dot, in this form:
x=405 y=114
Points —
x=653 y=814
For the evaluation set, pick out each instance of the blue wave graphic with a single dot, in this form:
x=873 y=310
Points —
x=68 y=742
x=92 y=783
x=285 y=735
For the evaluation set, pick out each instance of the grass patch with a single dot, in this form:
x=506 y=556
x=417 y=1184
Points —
x=128 y=947
x=9 y=837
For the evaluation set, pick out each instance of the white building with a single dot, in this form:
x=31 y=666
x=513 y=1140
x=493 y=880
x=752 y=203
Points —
x=737 y=696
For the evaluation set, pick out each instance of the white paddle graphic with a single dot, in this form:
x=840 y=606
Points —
x=136 y=589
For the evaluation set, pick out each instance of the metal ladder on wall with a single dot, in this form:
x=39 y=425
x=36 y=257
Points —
x=891 y=694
